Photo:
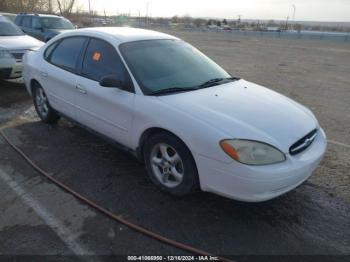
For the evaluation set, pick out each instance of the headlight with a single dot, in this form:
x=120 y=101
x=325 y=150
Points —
x=5 y=54
x=252 y=152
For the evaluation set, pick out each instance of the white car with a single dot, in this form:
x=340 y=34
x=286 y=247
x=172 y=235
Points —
x=13 y=44
x=192 y=124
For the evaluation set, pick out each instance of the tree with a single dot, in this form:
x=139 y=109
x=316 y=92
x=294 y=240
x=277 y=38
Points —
x=224 y=22
x=271 y=23
x=17 y=6
x=65 y=7
x=175 y=19
x=186 y=19
x=199 y=22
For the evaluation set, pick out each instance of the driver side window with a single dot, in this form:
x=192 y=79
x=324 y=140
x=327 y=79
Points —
x=101 y=59
x=36 y=23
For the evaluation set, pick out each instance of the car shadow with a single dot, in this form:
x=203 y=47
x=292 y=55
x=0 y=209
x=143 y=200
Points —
x=12 y=92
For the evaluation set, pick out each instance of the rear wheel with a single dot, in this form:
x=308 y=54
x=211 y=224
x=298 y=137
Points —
x=46 y=113
x=170 y=164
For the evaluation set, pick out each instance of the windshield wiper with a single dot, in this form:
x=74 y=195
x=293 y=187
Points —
x=211 y=82
x=216 y=81
x=172 y=90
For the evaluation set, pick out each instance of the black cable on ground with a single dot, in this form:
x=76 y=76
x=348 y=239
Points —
x=110 y=214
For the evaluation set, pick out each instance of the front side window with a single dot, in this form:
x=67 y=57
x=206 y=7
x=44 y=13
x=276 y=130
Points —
x=67 y=53
x=9 y=29
x=101 y=59
x=27 y=21
x=162 y=64
x=36 y=24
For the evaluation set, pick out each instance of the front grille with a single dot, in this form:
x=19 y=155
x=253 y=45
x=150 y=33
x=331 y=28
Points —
x=303 y=143
x=18 y=55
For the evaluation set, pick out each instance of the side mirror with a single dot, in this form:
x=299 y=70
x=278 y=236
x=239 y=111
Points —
x=112 y=81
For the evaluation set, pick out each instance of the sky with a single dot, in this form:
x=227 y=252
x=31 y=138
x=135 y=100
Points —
x=306 y=10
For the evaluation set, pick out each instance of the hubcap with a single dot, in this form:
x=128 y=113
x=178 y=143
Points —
x=41 y=102
x=167 y=165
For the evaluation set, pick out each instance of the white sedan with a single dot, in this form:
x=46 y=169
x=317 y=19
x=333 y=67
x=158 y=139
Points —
x=194 y=125
x=13 y=44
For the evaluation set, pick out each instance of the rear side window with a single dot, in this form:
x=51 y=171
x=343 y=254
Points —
x=49 y=50
x=101 y=59
x=27 y=21
x=66 y=54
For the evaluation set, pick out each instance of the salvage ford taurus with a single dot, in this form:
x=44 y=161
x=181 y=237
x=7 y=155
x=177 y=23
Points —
x=193 y=124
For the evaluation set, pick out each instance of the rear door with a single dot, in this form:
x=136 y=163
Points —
x=106 y=110
x=59 y=73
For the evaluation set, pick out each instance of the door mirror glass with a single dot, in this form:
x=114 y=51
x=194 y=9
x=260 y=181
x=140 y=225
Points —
x=111 y=81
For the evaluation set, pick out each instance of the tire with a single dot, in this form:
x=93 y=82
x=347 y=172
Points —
x=170 y=164
x=46 y=113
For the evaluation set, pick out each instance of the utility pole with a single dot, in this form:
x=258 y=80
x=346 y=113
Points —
x=90 y=12
x=50 y=7
x=294 y=10
x=147 y=7
x=287 y=23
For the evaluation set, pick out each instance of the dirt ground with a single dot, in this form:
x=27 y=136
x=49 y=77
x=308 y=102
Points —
x=311 y=220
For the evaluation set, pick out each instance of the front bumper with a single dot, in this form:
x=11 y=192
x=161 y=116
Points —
x=260 y=183
x=10 y=68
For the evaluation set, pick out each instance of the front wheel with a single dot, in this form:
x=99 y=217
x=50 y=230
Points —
x=46 y=113
x=170 y=164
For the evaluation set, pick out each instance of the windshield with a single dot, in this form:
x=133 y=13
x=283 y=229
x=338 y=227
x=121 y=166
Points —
x=9 y=29
x=56 y=23
x=163 y=64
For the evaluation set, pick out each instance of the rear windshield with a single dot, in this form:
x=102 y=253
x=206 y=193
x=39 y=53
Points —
x=9 y=29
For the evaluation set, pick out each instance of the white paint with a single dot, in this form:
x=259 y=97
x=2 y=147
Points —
x=61 y=231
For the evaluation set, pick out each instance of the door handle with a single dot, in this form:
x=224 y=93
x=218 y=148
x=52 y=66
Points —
x=44 y=74
x=81 y=89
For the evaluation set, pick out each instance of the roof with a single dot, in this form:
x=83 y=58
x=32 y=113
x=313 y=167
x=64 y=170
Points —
x=125 y=34
x=40 y=15
x=7 y=14
x=4 y=18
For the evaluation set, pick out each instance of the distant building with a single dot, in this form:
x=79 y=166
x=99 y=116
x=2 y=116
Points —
x=273 y=29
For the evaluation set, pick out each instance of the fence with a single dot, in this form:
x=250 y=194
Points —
x=308 y=35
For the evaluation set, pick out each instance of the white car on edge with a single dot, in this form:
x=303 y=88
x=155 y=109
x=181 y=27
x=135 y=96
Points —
x=13 y=44
x=192 y=124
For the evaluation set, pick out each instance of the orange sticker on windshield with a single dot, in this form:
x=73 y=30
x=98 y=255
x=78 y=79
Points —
x=96 y=56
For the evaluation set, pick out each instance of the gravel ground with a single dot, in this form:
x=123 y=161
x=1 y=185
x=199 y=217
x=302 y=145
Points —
x=311 y=220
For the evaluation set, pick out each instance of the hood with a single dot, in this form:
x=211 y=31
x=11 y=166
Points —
x=56 y=31
x=247 y=111
x=19 y=42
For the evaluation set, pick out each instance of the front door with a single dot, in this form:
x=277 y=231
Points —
x=106 y=110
